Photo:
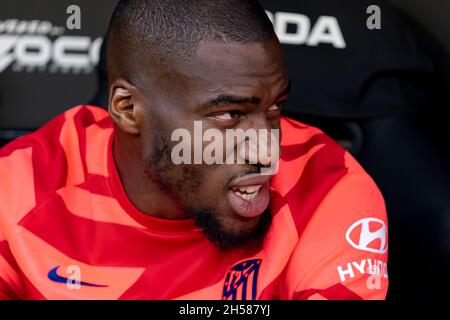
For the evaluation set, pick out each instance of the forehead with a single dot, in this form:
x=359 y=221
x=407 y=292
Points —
x=245 y=69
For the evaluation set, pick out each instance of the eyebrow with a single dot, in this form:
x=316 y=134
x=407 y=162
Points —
x=227 y=99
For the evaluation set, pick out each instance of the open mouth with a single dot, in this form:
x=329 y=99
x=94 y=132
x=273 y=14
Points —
x=249 y=195
x=247 y=192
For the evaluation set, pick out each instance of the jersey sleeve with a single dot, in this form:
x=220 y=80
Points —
x=17 y=198
x=10 y=283
x=342 y=252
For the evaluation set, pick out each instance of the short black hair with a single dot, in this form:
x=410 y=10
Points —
x=151 y=29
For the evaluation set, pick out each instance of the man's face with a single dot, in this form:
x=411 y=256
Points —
x=225 y=86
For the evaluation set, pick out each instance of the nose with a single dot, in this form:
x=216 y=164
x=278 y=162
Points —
x=261 y=146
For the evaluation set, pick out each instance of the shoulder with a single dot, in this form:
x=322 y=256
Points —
x=37 y=164
x=339 y=215
x=316 y=173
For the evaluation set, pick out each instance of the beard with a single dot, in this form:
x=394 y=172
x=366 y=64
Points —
x=225 y=240
x=182 y=183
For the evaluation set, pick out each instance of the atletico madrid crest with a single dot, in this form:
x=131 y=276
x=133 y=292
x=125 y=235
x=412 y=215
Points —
x=241 y=281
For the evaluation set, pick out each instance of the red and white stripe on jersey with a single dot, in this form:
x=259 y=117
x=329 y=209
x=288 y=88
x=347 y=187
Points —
x=62 y=205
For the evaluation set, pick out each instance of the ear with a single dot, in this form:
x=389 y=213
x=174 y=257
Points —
x=123 y=106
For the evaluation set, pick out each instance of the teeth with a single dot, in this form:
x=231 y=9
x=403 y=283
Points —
x=247 y=193
x=247 y=196
x=248 y=189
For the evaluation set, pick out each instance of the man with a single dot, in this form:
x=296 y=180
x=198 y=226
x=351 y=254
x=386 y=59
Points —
x=99 y=206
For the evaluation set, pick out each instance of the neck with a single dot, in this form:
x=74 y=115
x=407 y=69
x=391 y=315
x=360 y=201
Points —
x=139 y=187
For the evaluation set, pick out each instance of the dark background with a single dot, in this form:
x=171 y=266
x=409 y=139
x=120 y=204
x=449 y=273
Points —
x=29 y=99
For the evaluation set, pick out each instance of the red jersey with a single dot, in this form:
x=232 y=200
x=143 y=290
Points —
x=69 y=231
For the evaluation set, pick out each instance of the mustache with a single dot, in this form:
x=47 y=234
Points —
x=249 y=170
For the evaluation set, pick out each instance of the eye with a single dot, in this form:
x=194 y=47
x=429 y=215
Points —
x=229 y=115
x=274 y=110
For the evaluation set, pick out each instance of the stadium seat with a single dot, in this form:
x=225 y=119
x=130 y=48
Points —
x=371 y=95
x=374 y=91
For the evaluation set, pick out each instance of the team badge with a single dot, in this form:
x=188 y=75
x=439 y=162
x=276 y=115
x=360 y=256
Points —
x=241 y=281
